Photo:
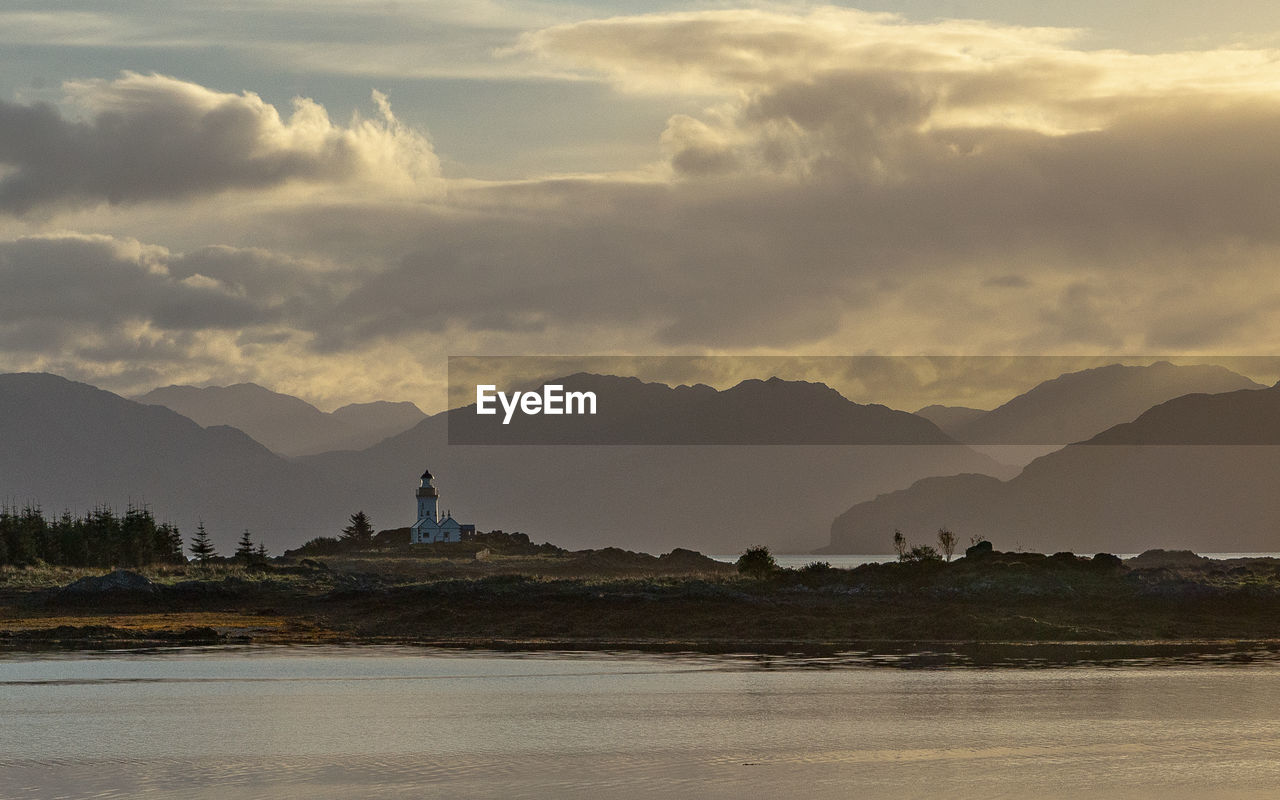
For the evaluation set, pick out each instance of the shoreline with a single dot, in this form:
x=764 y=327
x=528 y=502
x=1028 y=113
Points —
x=807 y=654
x=1018 y=602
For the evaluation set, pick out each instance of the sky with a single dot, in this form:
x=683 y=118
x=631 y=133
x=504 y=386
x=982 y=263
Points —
x=331 y=198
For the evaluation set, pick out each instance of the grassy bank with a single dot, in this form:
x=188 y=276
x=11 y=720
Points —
x=617 y=599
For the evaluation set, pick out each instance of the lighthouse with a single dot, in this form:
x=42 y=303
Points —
x=431 y=526
x=428 y=498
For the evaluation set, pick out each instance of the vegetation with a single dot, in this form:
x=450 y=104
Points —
x=757 y=562
x=244 y=548
x=359 y=533
x=201 y=546
x=922 y=552
x=100 y=539
x=396 y=540
x=613 y=598
x=947 y=541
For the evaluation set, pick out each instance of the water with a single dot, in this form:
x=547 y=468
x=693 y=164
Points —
x=399 y=722
x=845 y=561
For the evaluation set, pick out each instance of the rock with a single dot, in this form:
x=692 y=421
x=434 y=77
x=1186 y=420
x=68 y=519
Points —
x=682 y=560
x=1105 y=562
x=1167 y=558
x=978 y=550
x=121 y=585
x=199 y=634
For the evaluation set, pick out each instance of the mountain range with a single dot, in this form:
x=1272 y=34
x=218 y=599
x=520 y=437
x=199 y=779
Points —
x=287 y=425
x=715 y=497
x=69 y=445
x=73 y=446
x=630 y=411
x=1077 y=405
x=1197 y=472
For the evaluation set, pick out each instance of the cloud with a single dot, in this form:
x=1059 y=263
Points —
x=853 y=184
x=149 y=137
x=61 y=291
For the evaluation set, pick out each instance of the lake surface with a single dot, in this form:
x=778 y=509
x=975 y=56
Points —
x=846 y=561
x=369 y=722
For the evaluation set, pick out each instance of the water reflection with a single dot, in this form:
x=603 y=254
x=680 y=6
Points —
x=885 y=722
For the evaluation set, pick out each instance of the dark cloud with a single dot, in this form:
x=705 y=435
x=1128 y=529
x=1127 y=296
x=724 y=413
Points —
x=94 y=294
x=1007 y=282
x=150 y=137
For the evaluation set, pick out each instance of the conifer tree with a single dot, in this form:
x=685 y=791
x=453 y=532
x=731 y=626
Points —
x=173 y=538
x=244 y=548
x=359 y=533
x=201 y=546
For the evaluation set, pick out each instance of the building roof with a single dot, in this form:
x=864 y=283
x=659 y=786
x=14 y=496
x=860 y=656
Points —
x=427 y=476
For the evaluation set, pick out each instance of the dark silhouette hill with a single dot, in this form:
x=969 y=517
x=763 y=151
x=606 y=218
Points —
x=711 y=497
x=1197 y=472
x=285 y=424
x=70 y=446
x=1077 y=405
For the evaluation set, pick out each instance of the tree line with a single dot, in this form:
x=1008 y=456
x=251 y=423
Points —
x=105 y=538
x=101 y=538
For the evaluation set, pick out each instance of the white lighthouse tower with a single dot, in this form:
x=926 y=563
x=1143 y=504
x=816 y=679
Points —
x=431 y=526
x=428 y=498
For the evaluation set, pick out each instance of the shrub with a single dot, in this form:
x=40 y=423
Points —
x=757 y=562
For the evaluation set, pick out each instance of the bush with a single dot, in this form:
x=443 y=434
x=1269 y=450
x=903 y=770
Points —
x=757 y=562
x=921 y=553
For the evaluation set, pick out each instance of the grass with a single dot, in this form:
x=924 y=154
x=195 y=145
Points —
x=560 y=599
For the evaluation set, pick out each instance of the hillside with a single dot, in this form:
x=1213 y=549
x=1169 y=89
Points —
x=285 y=424
x=1197 y=472
x=1077 y=405
x=68 y=445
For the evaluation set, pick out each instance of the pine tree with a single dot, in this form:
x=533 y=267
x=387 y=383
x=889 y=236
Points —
x=244 y=548
x=173 y=538
x=261 y=552
x=201 y=546
x=359 y=533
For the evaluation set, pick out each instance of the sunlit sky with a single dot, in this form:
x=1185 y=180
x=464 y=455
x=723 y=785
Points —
x=329 y=198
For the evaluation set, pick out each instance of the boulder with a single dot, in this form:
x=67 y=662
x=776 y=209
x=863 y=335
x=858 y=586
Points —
x=978 y=550
x=121 y=585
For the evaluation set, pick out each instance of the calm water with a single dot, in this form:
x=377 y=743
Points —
x=843 y=561
x=398 y=722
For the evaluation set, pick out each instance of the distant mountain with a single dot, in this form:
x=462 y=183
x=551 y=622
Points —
x=1077 y=405
x=285 y=424
x=773 y=411
x=950 y=418
x=712 y=497
x=69 y=446
x=373 y=422
x=1197 y=472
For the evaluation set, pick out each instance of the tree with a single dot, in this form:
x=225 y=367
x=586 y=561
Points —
x=359 y=533
x=201 y=546
x=899 y=543
x=757 y=562
x=947 y=541
x=173 y=544
x=244 y=548
x=261 y=552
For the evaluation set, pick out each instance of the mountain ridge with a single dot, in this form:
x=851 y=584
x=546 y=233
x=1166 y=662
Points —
x=1184 y=474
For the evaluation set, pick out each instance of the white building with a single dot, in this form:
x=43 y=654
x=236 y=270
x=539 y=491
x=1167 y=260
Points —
x=431 y=527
